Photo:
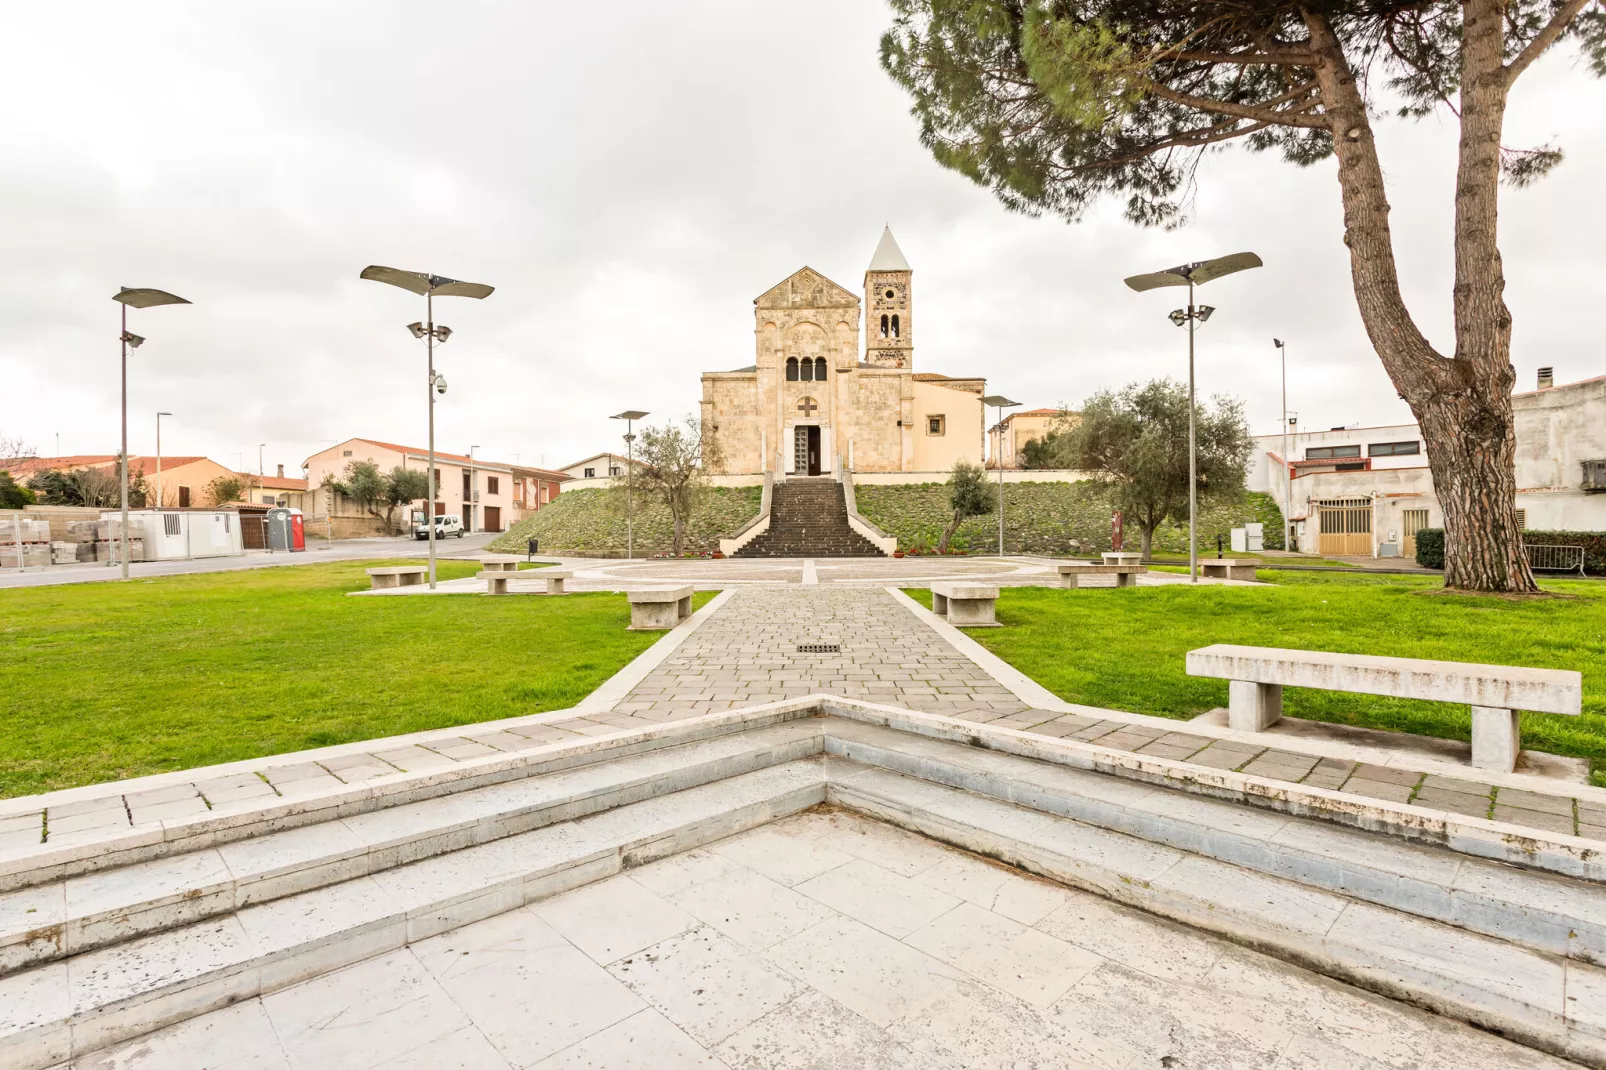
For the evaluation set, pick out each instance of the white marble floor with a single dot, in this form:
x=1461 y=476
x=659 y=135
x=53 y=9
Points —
x=821 y=941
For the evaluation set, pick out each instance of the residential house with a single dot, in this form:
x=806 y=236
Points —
x=1007 y=438
x=533 y=488
x=276 y=489
x=1369 y=490
x=181 y=480
x=479 y=491
x=598 y=466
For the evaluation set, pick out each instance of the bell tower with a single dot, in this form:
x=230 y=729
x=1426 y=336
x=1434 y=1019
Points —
x=888 y=307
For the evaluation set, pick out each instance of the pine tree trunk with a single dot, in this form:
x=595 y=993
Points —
x=1463 y=403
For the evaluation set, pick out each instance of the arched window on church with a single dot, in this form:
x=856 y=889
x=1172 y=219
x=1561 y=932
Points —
x=883 y=326
x=808 y=370
x=894 y=326
x=819 y=369
x=791 y=369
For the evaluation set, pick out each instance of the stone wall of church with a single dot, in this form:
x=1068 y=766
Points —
x=730 y=414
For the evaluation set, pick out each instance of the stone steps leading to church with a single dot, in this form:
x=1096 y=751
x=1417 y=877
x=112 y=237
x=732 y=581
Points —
x=809 y=518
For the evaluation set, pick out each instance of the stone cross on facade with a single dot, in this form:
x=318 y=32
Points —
x=807 y=407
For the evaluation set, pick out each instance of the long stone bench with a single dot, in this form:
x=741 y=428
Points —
x=658 y=610
x=496 y=582
x=966 y=605
x=1126 y=575
x=1496 y=693
x=396 y=576
x=1121 y=557
x=1227 y=569
x=500 y=562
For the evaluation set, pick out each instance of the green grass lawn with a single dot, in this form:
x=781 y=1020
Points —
x=100 y=681
x=1123 y=648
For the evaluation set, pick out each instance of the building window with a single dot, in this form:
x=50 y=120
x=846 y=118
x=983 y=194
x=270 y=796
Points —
x=806 y=366
x=1594 y=475
x=268 y=499
x=345 y=453
x=891 y=294
x=894 y=326
x=883 y=326
x=1394 y=449
x=183 y=497
x=1327 y=453
x=614 y=469
x=493 y=485
x=591 y=473
x=819 y=369
x=936 y=425
x=170 y=524
x=791 y=369
x=1522 y=520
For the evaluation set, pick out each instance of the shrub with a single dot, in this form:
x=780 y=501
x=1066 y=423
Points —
x=1430 y=546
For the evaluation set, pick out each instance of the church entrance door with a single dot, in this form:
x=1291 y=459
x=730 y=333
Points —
x=806 y=451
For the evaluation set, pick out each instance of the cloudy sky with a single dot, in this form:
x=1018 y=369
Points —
x=630 y=176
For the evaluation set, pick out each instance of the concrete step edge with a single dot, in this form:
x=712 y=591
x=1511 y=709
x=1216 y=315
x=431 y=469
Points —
x=1544 y=912
x=42 y=923
x=66 y=1009
x=1396 y=955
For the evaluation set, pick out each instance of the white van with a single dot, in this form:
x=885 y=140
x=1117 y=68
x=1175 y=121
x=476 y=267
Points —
x=445 y=524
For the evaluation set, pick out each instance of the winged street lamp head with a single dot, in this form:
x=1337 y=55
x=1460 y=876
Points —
x=145 y=297
x=1197 y=273
x=422 y=283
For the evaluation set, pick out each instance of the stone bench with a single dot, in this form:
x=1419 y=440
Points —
x=396 y=576
x=496 y=582
x=1223 y=569
x=1496 y=693
x=1121 y=557
x=500 y=562
x=966 y=605
x=1125 y=575
x=660 y=610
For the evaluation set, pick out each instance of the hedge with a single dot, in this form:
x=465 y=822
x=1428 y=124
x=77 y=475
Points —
x=1430 y=546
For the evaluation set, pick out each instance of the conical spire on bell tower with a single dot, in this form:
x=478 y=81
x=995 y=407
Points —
x=888 y=306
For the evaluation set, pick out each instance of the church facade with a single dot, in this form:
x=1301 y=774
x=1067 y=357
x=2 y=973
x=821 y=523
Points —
x=815 y=400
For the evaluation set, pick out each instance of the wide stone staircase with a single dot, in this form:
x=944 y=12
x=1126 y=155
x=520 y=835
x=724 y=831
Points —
x=101 y=942
x=809 y=518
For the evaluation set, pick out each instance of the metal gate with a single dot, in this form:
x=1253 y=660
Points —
x=1345 y=526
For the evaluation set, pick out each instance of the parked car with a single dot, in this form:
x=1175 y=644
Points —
x=445 y=524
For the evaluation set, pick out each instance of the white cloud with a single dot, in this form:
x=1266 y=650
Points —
x=629 y=181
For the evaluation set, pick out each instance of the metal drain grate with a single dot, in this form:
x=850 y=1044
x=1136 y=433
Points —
x=819 y=648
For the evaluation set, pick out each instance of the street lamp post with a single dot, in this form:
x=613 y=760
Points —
x=473 y=490
x=1191 y=275
x=137 y=298
x=1002 y=403
x=1288 y=464
x=629 y=416
x=159 y=457
x=420 y=282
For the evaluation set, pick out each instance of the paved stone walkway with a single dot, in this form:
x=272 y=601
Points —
x=757 y=648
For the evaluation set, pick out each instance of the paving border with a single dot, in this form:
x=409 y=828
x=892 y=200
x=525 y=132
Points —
x=1039 y=697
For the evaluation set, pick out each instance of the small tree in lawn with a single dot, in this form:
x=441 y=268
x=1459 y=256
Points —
x=374 y=492
x=673 y=467
x=968 y=496
x=1055 y=104
x=1137 y=441
x=224 y=489
x=404 y=485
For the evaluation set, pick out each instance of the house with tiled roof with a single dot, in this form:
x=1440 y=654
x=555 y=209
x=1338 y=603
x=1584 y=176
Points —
x=489 y=495
x=182 y=479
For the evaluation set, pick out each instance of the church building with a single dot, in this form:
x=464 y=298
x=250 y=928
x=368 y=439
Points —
x=814 y=400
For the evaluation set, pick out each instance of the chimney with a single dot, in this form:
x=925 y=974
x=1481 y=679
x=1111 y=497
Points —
x=1547 y=378
x=281 y=471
